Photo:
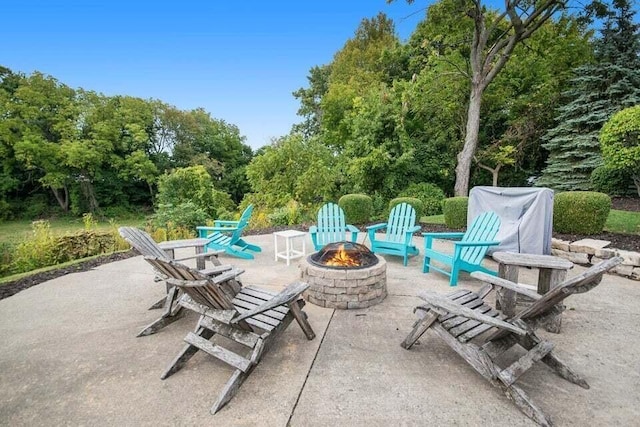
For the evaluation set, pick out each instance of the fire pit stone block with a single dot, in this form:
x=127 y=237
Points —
x=345 y=288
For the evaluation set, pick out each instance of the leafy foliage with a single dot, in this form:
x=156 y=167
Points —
x=430 y=195
x=582 y=212
x=455 y=211
x=598 y=91
x=415 y=203
x=620 y=141
x=357 y=208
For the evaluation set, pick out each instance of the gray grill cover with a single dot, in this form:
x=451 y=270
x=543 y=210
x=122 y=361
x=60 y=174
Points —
x=526 y=216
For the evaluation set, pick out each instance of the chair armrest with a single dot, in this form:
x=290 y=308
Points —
x=204 y=255
x=313 y=229
x=452 y=235
x=210 y=228
x=505 y=284
x=413 y=229
x=377 y=226
x=223 y=223
x=352 y=228
x=459 y=310
x=474 y=244
x=287 y=295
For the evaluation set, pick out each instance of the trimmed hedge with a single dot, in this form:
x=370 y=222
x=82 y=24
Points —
x=430 y=195
x=580 y=212
x=455 y=212
x=357 y=208
x=415 y=203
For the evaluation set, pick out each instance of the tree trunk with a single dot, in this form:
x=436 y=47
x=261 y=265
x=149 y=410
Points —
x=62 y=196
x=636 y=181
x=89 y=193
x=465 y=157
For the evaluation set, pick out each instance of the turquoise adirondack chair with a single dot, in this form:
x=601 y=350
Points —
x=399 y=235
x=468 y=252
x=331 y=227
x=227 y=236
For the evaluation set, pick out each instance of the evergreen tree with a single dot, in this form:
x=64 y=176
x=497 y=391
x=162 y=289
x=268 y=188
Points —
x=598 y=91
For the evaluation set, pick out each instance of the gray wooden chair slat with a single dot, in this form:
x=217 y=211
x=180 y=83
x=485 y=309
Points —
x=458 y=320
x=148 y=247
x=250 y=317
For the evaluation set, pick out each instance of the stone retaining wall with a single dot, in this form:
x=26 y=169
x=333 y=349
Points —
x=590 y=251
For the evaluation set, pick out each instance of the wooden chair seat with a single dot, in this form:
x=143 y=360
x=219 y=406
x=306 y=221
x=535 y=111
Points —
x=249 y=316
x=481 y=335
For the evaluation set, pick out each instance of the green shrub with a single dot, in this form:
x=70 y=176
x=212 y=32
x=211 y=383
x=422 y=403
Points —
x=614 y=182
x=430 y=195
x=186 y=215
x=415 y=203
x=455 y=212
x=6 y=258
x=36 y=252
x=83 y=244
x=357 y=208
x=581 y=212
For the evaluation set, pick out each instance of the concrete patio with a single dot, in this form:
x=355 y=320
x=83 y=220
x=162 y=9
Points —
x=69 y=356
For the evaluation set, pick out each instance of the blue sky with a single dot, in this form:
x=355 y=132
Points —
x=240 y=61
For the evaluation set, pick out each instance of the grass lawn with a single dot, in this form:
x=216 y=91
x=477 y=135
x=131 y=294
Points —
x=14 y=232
x=623 y=222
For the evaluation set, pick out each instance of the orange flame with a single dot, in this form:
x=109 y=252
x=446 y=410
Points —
x=342 y=258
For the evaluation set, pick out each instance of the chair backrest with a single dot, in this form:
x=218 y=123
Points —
x=484 y=228
x=576 y=285
x=401 y=218
x=243 y=222
x=205 y=291
x=331 y=224
x=142 y=242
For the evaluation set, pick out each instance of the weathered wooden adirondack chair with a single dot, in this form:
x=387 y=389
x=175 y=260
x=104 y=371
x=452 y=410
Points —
x=144 y=244
x=227 y=236
x=251 y=317
x=399 y=233
x=331 y=227
x=469 y=252
x=463 y=316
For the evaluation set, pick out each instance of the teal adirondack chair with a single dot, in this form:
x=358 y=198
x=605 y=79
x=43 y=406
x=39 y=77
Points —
x=468 y=252
x=399 y=235
x=227 y=236
x=331 y=227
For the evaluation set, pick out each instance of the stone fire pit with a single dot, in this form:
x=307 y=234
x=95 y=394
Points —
x=344 y=288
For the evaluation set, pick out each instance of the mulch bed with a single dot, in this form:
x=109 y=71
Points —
x=619 y=241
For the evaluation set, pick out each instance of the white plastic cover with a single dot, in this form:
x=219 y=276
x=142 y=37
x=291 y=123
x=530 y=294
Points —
x=526 y=216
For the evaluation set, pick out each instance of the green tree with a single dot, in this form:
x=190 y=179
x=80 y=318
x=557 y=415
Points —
x=598 y=91
x=293 y=168
x=494 y=37
x=39 y=122
x=620 y=140
x=310 y=101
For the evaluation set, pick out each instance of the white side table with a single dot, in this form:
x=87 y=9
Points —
x=290 y=236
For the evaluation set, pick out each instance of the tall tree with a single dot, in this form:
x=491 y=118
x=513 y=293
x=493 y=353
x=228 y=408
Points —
x=495 y=36
x=598 y=91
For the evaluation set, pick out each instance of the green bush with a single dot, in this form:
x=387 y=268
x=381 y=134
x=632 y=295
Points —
x=83 y=244
x=357 y=208
x=430 y=195
x=614 y=182
x=415 y=203
x=183 y=215
x=455 y=212
x=581 y=212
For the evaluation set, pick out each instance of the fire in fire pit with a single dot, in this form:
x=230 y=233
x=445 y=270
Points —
x=344 y=255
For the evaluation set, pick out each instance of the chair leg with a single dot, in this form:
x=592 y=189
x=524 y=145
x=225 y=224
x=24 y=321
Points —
x=524 y=403
x=186 y=353
x=552 y=361
x=230 y=389
x=160 y=323
x=425 y=265
x=158 y=304
x=419 y=329
x=301 y=318
x=455 y=271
